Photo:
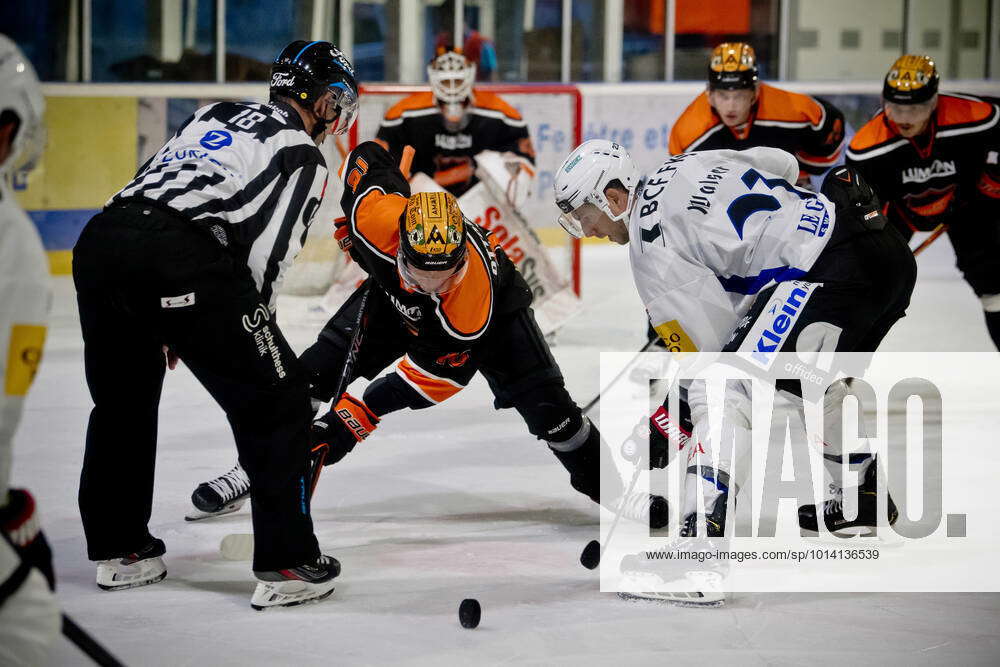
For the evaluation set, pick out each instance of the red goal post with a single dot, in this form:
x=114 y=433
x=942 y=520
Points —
x=554 y=114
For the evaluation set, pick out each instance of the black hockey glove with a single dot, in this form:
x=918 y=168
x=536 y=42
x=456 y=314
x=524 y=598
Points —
x=350 y=422
x=19 y=523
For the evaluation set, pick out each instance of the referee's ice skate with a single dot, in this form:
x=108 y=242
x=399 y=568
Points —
x=310 y=582
x=140 y=568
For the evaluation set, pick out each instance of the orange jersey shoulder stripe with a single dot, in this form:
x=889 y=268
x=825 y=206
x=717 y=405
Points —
x=466 y=310
x=430 y=386
x=780 y=105
x=412 y=102
x=697 y=119
x=375 y=220
x=873 y=133
x=485 y=99
x=953 y=110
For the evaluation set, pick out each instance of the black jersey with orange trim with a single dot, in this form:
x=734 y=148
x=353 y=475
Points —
x=375 y=195
x=934 y=178
x=809 y=128
x=493 y=124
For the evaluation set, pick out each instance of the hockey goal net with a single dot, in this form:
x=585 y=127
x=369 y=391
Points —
x=554 y=117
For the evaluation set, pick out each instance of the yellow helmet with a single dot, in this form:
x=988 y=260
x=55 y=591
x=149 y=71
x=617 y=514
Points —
x=911 y=79
x=733 y=65
x=432 y=235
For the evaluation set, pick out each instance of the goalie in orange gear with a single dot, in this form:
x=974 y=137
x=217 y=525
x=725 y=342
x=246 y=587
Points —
x=452 y=123
x=933 y=159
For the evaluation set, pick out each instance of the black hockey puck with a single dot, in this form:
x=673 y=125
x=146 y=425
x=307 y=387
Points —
x=591 y=556
x=469 y=613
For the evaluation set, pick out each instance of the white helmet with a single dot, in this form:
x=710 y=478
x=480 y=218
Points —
x=581 y=180
x=21 y=96
x=451 y=75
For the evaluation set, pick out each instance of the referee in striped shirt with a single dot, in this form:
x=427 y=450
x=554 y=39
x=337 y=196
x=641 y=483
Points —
x=188 y=257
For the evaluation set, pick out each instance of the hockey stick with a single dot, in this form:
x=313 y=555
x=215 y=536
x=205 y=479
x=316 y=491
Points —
x=597 y=399
x=83 y=641
x=938 y=231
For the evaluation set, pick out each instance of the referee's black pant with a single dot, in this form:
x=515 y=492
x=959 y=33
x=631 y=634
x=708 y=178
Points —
x=145 y=279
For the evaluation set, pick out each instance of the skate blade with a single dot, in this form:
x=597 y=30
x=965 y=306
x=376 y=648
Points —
x=197 y=515
x=884 y=537
x=237 y=546
x=676 y=602
x=134 y=584
x=290 y=600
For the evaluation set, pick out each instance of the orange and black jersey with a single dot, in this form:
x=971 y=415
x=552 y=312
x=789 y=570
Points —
x=932 y=179
x=493 y=124
x=375 y=196
x=809 y=128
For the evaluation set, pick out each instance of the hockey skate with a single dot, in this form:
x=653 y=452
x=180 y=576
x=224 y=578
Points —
x=643 y=507
x=691 y=588
x=136 y=569
x=864 y=523
x=311 y=582
x=220 y=496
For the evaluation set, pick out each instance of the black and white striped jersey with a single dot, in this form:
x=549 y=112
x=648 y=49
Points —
x=249 y=173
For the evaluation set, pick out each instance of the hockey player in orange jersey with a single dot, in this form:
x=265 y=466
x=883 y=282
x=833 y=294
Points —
x=446 y=302
x=737 y=111
x=453 y=122
x=933 y=159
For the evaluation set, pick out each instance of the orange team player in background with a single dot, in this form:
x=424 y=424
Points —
x=737 y=111
x=933 y=161
x=452 y=123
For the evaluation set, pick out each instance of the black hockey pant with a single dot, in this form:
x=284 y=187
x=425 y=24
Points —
x=513 y=357
x=145 y=279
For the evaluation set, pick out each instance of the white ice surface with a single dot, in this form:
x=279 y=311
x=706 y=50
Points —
x=454 y=502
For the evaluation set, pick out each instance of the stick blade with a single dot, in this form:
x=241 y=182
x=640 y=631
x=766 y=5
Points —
x=237 y=546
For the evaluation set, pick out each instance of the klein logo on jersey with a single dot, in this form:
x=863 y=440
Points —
x=216 y=139
x=938 y=168
x=773 y=325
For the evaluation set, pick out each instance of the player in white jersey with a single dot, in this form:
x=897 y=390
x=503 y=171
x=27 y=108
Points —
x=29 y=615
x=717 y=240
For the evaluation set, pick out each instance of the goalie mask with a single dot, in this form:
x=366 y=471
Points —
x=733 y=66
x=22 y=104
x=911 y=80
x=306 y=71
x=581 y=180
x=432 y=258
x=451 y=76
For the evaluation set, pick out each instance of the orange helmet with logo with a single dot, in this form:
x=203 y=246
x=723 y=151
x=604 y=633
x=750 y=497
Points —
x=912 y=79
x=432 y=234
x=733 y=65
